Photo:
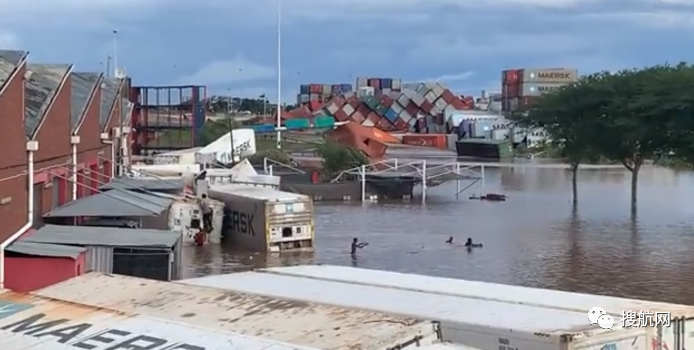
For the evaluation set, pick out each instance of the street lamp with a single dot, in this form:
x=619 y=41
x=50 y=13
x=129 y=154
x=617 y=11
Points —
x=279 y=73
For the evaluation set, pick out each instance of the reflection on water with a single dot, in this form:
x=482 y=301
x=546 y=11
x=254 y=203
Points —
x=535 y=238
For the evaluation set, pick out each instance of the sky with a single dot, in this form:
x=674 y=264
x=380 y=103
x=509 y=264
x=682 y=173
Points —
x=231 y=46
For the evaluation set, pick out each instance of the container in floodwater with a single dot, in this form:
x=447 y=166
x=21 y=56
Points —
x=264 y=219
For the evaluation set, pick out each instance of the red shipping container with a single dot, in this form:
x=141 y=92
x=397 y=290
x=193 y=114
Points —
x=355 y=103
x=412 y=109
x=357 y=117
x=400 y=125
x=375 y=118
x=426 y=140
x=364 y=109
x=386 y=101
x=314 y=105
x=510 y=91
x=384 y=125
x=315 y=89
x=27 y=274
x=512 y=77
x=427 y=107
x=448 y=96
x=375 y=83
x=341 y=116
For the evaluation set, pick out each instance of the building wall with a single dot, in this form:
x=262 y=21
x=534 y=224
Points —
x=13 y=158
x=27 y=274
x=91 y=148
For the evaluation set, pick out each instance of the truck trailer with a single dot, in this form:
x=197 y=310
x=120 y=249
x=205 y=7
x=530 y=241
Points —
x=264 y=219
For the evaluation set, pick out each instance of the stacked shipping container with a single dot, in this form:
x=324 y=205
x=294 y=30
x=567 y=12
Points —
x=379 y=86
x=320 y=93
x=520 y=87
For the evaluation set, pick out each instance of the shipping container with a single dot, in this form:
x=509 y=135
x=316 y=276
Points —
x=483 y=323
x=305 y=89
x=511 y=77
x=185 y=156
x=315 y=89
x=396 y=84
x=362 y=92
x=362 y=82
x=549 y=75
x=386 y=83
x=486 y=149
x=266 y=220
x=510 y=91
x=428 y=140
x=375 y=83
x=346 y=87
x=535 y=89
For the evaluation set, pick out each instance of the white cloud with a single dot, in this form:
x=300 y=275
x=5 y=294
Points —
x=232 y=71
x=451 y=78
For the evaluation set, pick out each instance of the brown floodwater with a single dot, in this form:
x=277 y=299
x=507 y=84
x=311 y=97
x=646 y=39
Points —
x=536 y=238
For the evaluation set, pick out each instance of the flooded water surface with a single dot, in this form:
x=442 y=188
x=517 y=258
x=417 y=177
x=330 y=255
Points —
x=536 y=238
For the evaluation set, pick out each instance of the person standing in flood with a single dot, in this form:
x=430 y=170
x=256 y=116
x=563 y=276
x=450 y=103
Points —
x=206 y=209
x=357 y=245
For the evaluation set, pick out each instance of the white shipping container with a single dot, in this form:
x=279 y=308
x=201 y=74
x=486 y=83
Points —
x=264 y=219
x=397 y=84
x=220 y=149
x=366 y=91
x=185 y=217
x=480 y=323
x=186 y=156
x=348 y=109
x=517 y=295
x=362 y=82
x=368 y=122
x=537 y=89
x=549 y=75
x=303 y=98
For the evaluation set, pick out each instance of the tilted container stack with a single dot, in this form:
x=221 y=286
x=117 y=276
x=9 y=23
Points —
x=321 y=93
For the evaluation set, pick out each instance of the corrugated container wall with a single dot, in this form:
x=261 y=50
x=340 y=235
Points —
x=26 y=274
x=99 y=259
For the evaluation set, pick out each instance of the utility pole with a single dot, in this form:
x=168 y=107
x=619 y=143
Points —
x=115 y=53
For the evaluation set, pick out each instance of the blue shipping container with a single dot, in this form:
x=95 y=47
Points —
x=263 y=128
x=390 y=115
x=305 y=89
x=386 y=83
x=346 y=87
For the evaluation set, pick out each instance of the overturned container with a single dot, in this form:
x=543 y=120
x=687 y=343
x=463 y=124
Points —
x=264 y=219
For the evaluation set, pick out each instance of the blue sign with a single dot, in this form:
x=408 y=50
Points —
x=8 y=309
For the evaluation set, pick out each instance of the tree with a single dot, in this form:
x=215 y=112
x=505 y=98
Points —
x=630 y=127
x=568 y=116
x=338 y=158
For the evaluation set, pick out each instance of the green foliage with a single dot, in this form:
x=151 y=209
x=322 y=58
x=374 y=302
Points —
x=629 y=117
x=222 y=104
x=338 y=157
x=212 y=130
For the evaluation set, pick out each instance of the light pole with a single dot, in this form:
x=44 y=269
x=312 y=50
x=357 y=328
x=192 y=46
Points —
x=115 y=53
x=279 y=73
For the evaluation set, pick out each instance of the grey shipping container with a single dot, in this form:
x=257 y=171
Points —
x=549 y=75
x=264 y=219
x=533 y=89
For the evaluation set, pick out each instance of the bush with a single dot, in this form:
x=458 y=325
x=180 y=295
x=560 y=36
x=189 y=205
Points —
x=338 y=158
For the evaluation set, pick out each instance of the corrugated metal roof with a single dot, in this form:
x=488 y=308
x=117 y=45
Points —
x=129 y=183
x=83 y=85
x=447 y=346
x=113 y=204
x=50 y=250
x=9 y=60
x=102 y=236
x=479 y=290
x=301 y=323
x=98 y=328
x=401 y=302
x=109 y=93
x=40 y=91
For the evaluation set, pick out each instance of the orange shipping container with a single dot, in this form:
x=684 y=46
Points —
x=426 y=140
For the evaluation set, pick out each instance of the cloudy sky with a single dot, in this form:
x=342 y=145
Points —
x=232 y=45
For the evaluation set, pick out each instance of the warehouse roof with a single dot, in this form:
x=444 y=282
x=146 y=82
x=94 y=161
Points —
x=45 y=249
x=41 y=88
x=256 y=192
x=93 y=327
x=443 y=308
x=83 y=85
x=102 y=236
x=476 y=289
x=113 y=204
x=109 y=93
x=302 y=323
x=9 y=60
x=129 y=183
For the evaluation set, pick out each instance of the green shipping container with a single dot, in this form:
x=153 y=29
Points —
x=327 y=122
x=294 y=124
